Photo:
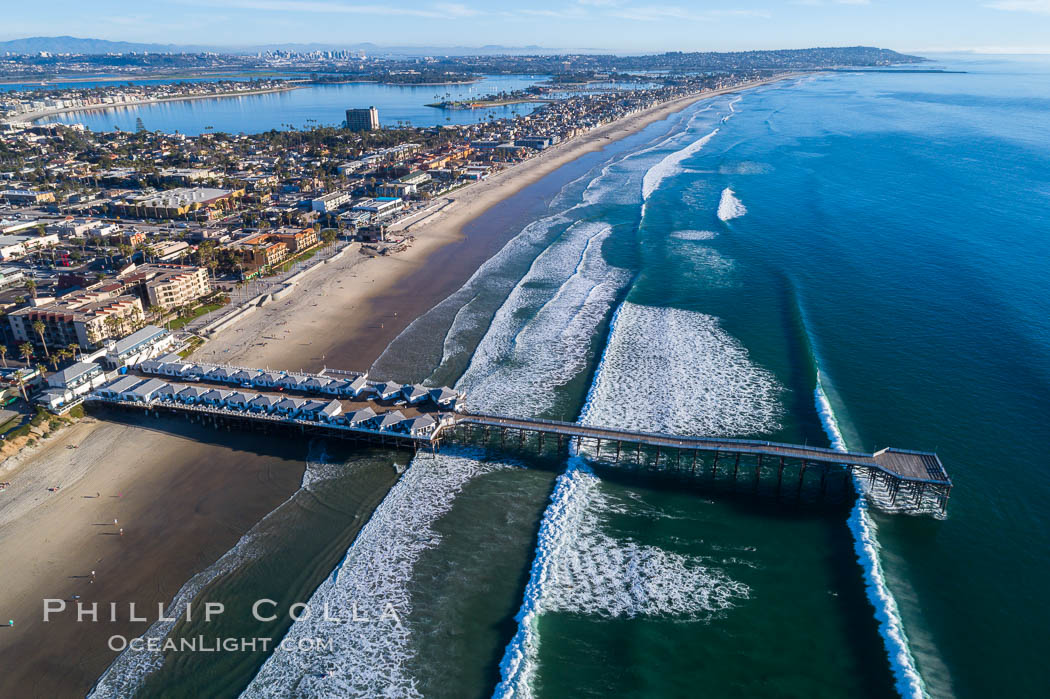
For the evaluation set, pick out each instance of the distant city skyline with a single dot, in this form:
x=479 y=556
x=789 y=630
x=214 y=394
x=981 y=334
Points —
x=1013 y=26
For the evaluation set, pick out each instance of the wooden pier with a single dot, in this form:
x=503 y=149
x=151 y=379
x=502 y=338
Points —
x=895 y=479
x=898 y=479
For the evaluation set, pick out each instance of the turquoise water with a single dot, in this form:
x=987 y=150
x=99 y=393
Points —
x=313 y=105
x=848 y=259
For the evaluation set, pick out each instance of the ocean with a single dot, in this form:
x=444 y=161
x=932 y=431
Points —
x=853 y=260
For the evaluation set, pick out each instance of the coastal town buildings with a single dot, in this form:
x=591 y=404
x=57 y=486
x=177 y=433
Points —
x=19 y=245
x=297 y=239
x=261 y=250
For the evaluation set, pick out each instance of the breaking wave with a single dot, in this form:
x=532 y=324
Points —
x=680 y=371
x=729 y=207
x=866 y=546
x=370 y=658
x=671 y=165
x=463 y=313
x=580 y=569
x=521 y=361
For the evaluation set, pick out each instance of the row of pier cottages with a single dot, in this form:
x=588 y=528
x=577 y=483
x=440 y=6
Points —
x=355 y=387
x=138 y=390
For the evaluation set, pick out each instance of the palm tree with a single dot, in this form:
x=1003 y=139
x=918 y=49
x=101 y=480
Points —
x=3 y=354
x=74 y=349
x=26 y=350
x=39 y=327
x=21 y=384
x=112 y=325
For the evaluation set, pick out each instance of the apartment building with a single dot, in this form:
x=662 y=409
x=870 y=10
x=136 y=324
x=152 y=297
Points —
x=328 y=203
x=297 y=239
x=262 y=250
x=85 y=318
x=168 y=286
x=362 y=119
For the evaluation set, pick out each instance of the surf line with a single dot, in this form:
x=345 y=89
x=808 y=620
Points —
x=907 y=680
x=518 y=666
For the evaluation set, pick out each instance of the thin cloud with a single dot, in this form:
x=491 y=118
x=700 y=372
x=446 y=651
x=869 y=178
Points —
x=327 y=7
x=1041 y=7
x=657 y=13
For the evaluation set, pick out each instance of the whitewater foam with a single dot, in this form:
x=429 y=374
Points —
x=579 y=569
x=671 y=165
x=370 y=659
x=129 y=670
x=729 y=207
x=522 y=359
x=693 y=235
x=678 y=371
x=457 y=310
x=866 y=546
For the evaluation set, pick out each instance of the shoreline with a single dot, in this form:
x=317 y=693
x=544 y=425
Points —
x=33 y=117
x=376 y=298
x=203 y=489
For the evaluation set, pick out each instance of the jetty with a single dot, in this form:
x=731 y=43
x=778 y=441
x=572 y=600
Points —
x=350 y=406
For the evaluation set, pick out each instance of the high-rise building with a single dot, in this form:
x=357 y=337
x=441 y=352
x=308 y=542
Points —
x=362 y=119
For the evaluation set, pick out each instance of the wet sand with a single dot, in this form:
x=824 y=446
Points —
x=182 y=504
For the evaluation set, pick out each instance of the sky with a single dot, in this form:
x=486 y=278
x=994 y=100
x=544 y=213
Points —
x=1015 y=26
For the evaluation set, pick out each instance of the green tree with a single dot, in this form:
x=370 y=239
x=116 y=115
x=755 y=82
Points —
x=21 y=384
x=40 y=328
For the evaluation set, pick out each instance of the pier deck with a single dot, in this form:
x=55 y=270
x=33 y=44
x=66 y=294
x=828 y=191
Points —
x=412 y=416
x=911 y=465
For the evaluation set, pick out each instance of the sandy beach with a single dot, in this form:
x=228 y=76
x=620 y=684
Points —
x=184 y=493
x=182 y=499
